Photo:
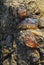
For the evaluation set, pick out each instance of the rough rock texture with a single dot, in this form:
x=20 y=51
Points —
x=35 y=9
x=40 y=4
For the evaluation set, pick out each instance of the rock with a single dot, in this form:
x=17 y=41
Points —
x=41 y=24
x=40 y=4
x=33 y=10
